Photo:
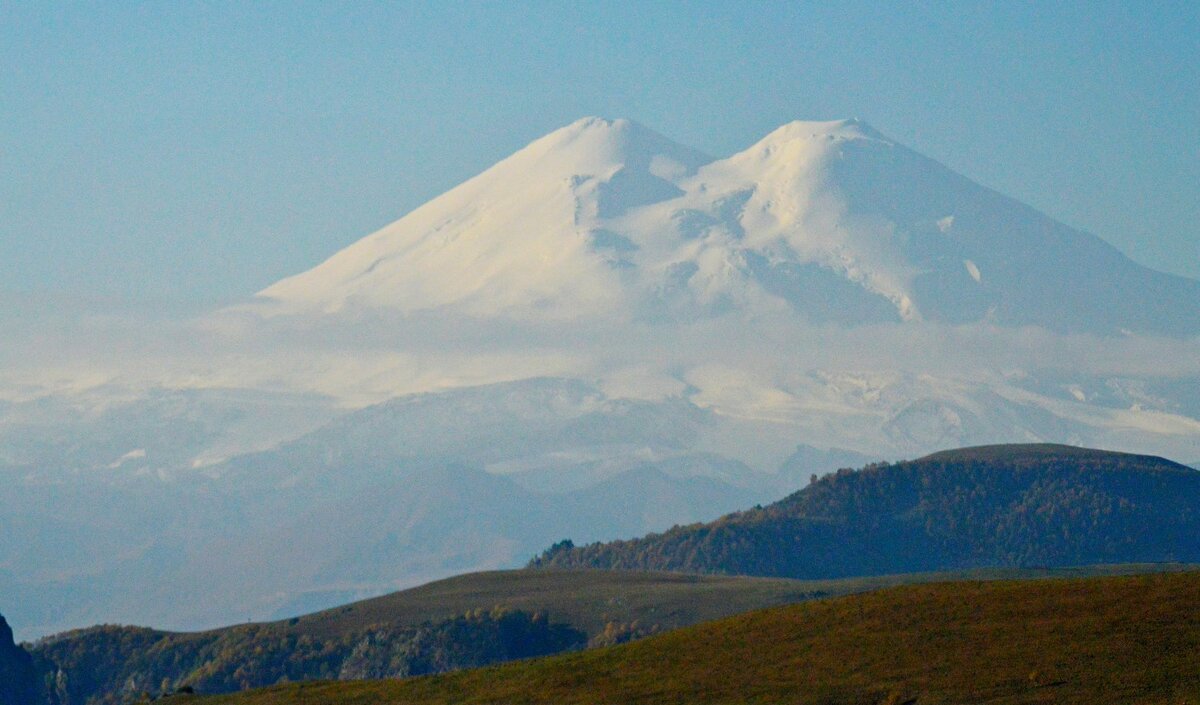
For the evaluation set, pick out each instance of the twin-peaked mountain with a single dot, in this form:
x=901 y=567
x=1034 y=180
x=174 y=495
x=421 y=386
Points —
x=831 y=220
x=602 y=335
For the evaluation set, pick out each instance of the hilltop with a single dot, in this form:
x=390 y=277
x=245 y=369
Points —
x=1014 y=505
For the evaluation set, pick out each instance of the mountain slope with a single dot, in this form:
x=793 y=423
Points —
x=418 y=521
x=436 y=627
x=943 y=248
x=120 y=664
x=1080 y=641
x=830 y=220
x=522 y=236
x=1017 y=505
x=460 y=622
x=410 y=490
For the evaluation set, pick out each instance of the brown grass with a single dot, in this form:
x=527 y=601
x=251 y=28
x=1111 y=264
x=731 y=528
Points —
x=1097 y=640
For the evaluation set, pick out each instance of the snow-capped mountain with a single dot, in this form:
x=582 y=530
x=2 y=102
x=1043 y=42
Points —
x=604 y=334
x=524 y=237
x=831 y=220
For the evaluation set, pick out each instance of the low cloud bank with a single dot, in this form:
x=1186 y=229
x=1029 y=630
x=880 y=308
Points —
x=374 y=356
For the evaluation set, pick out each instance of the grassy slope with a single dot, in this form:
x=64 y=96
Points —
x=114 y=664
x=588 y=600
x=103 y=663
x=585 y=601
x=1113 y=639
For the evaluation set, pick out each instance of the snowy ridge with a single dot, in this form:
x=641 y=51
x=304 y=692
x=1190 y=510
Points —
x=830 y=219
x=520 y=237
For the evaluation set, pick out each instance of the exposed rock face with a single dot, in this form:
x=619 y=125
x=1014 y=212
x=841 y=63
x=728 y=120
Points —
x=18 y=679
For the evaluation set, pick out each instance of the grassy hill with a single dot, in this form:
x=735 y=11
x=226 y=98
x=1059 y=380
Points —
x=459 y=622
x=593 y=600
x=588 y=602
x=462 y=622
x=1110 y=640
x=1014 y=505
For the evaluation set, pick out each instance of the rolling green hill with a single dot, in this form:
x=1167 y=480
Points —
x=460 y=622
x=1097 y=640
x=1014 y=505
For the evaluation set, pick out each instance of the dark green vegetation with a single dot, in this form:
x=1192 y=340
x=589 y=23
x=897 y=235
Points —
x=441 y=626
x=1099 y=640
x=113 y=664
x=19 y=684
x=1020 y=505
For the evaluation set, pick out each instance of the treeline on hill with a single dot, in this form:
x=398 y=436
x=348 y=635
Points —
x=1021 y=506
x=429 y=628
x=110 y=665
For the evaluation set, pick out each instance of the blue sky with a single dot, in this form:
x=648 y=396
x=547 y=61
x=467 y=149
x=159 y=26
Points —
x=195 y=152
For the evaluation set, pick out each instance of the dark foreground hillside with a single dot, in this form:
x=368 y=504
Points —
x=19 y=682
x=113 y=665
x=1017 y=505
x=1096 y=640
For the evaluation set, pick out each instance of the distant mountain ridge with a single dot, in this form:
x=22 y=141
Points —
x=1015 y=505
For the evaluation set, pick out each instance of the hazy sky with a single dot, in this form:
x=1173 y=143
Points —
x=200 y=151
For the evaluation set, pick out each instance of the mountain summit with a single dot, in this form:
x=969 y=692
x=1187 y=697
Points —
x=524 y=237
x=830 y=220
